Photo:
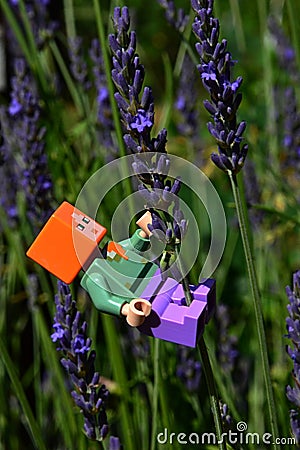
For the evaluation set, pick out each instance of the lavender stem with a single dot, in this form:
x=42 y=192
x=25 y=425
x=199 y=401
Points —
x=257 y=305
x=212 y=390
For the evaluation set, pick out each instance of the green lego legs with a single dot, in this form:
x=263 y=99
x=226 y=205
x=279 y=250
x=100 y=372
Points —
x=116 y=293
x=115 y=283
x=103 y=299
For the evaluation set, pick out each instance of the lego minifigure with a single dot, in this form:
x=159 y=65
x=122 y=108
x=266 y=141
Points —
x=120 y=280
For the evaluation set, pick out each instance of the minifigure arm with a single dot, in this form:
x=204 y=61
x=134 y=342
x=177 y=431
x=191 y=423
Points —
x=135 y=310
x=102 y=297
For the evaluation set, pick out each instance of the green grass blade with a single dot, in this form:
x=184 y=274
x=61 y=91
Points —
x=156 y=354
x=69 y=18
x=35 y=432
x=65 y=411
x=120 y=376
x=257 y=303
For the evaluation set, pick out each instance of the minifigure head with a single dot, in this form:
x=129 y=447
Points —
x=67 y=243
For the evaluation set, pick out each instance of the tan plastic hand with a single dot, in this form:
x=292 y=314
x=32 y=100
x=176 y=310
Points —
x=143 y=224
x=136 y=311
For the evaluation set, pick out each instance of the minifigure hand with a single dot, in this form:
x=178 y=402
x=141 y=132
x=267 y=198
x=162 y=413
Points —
x=136 y=311
x=143 y=223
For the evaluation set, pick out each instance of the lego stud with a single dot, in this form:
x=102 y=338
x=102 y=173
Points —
x=136 y=311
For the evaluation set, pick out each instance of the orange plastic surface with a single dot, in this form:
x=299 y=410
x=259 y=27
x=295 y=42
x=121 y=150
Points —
x=67 y=242
x=115 y=247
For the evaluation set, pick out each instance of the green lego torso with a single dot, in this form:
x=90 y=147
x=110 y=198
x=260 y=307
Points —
x=114 y=281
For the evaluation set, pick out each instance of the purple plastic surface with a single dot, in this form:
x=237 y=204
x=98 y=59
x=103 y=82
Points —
x=170 y=319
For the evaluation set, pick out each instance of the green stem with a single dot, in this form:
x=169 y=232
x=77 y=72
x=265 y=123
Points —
x=107 y=67
x=184 y=47
x=185 y=282
x=167 y=110
x=69 y=18
x=212 y=390
x=34 y=429
x=285 y=217
x=115 y=112
x=15 y=26
x=293 y=10
x=209 y=376
x=67 y=78
x=268 y=80
x=119 y=374
x=155 y=394
x=238 y=25
x=65 y=407
x=35 y=61
x=257 y=305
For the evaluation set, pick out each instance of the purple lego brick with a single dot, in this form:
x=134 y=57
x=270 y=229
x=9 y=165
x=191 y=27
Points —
x=153 y=286
x=178 y=324
x=174 y=322
x=184 y=324
x=206 y=291
x=178 y=295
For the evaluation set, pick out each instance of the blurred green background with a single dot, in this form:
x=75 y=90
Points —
x=32 y=382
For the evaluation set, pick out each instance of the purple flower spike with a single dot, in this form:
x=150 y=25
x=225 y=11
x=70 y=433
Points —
x=176 y=17
x=22 y=130
x=135 y=103
x=227 y=352
x=215 y=72
x=39 y=15
x=105 y=125
x=88 y=393
x=141 y=122
x=114 y=443
x=293 y=333
x=188 y=369
x=136 y=106
x=78 y=64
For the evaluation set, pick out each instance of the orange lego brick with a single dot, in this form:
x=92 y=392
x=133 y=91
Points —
x=67 y=243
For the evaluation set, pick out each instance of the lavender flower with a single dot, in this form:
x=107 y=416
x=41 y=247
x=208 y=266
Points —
x=2 y=148
x=175 y=16
x=9 y=172
x=70 y=334
x=136 y=106
x=293 y=329
x=226 y=350
x=215 y=70
x=78 y=65
x=226 y=417
x=188 y=122
x=128 y=75
x=290 y=162
x=291 y=140
x=230 y=426
x=285 y=51
x=114 y=443
x=24 y=135
x=39 y=15
x=295 y=424
x=104 y=113
x=188 y=369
